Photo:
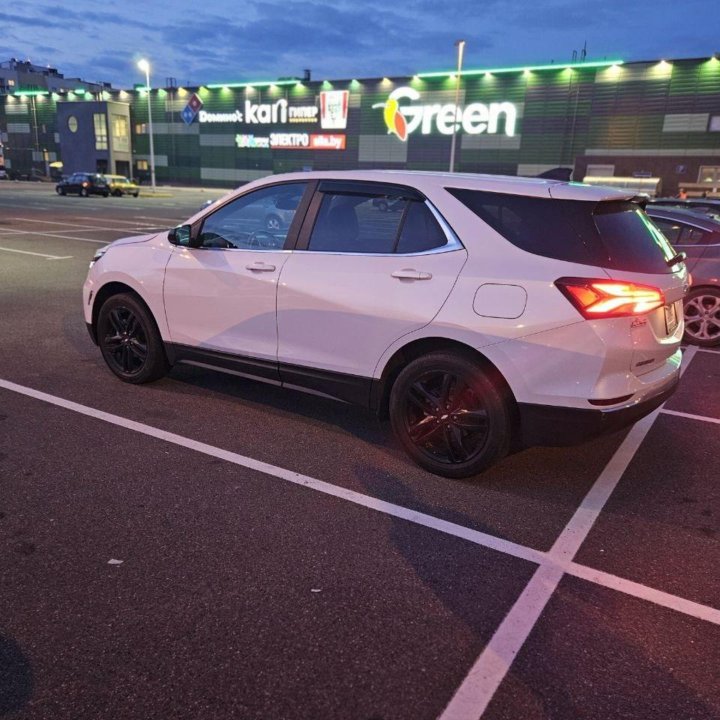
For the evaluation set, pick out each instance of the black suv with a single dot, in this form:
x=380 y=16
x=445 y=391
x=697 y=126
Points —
x=83 y=184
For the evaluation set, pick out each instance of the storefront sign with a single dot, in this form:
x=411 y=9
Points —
x=277 y=113
x=292 y=141
x=474 y=119
x=334 y=109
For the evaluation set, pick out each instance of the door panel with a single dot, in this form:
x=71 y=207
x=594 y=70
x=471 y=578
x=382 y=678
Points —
x=224 y=299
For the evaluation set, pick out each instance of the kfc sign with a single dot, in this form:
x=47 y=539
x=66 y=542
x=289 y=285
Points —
x=334 y=109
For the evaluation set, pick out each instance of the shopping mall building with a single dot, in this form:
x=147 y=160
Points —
x=627 y=120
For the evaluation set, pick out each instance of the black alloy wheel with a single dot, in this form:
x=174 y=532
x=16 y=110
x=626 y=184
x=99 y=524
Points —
x=129 y=340
x=451 y=417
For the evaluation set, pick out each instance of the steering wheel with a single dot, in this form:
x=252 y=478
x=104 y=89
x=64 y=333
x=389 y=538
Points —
x=262 y=239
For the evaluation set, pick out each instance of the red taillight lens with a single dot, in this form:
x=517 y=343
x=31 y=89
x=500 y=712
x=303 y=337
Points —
x=610 y=298
x=85 y=184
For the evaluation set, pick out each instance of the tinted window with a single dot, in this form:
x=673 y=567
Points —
x=356 y=223
x=259 y=220
x=615 y=235
x=695 y=236
x=420 y=230
x=671 y=230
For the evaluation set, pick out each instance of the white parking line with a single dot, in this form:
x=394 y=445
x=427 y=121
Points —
x=690 y=416
x=7 y=233
x=47 y=257
x=74 y=227
x=489 y=670
x=552 y=567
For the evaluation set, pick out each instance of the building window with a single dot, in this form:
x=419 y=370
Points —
x=709 y=175
x=72 y=124
x=714 y=125
x=140 y=129
x=142 y=164
x=120 y=133
x=101 y=134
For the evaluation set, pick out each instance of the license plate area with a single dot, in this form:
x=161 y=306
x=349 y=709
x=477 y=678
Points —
x=671 y=318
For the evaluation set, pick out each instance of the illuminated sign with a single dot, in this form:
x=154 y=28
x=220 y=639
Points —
x=192 y=108
x=334 y=109
x=291 y=141
x=474 y=119
x=277 y=113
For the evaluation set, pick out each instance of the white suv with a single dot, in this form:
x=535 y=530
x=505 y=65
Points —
x=486 y=313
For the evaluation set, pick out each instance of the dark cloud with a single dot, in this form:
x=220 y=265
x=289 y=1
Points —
x=223 y=40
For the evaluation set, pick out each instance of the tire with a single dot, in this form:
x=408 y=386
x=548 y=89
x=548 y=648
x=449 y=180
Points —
x=702 y=317
x=136 y=194
x=84 y=192
x=130 y=341
x=382 y=206
x=449 y=415
x=117 y=193
x=105 y=194
x=273 y=223
x=60 y=190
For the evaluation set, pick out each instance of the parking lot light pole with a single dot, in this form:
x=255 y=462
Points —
x=144 y=65
x=460 y=44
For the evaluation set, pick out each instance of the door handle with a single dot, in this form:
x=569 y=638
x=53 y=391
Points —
x=260 y=267
x=410 y=274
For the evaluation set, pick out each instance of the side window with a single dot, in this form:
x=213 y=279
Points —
x=420 y=231
x=259 y=220
x=694 y=236
x=357 y=224
x=669 y=229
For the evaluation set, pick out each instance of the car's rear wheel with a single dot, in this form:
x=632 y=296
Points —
x=702 y=317
x=130 y=341
x=83 y=192
x=449 y=414
x=60 y=190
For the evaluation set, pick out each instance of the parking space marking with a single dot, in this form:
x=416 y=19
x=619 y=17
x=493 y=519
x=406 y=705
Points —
x=476 y=691
x=74 y=227
x=47 y=257
x=690 y=416
x=709 y=350
x=552 y=566
x=7 y=233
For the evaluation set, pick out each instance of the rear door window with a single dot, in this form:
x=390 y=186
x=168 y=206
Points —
x=615 y=234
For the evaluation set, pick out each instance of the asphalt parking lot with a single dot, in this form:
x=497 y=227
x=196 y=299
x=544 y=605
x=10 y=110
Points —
x=210 y=547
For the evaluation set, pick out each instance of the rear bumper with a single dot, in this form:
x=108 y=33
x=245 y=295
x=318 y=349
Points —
x=561 y=426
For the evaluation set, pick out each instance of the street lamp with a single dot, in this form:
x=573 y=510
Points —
x=460 y=44
x=144 y=65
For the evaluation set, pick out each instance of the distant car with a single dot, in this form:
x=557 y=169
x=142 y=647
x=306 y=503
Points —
x=487 y=313
x=388 y=204
x=709 y=206
x=3 y=173
x=83 y=184
x=698 y=236
x=280 y=211
x=120 y=185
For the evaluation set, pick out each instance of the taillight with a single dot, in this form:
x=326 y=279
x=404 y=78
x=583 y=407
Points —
x=85 y=184
x=610 y=298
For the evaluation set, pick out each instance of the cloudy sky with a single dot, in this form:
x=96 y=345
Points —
x=224 y=41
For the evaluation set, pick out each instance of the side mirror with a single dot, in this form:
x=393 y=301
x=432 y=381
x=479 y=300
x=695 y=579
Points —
x=180 y=235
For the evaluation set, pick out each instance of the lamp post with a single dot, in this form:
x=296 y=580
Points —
x=460 y=44
x=144 y=65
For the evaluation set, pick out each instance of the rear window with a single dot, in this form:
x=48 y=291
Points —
x=615 y=234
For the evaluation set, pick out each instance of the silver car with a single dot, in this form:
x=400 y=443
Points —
x=698 y=236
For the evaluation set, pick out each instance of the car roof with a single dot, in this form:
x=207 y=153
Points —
x=699 y=219
x=427 y=181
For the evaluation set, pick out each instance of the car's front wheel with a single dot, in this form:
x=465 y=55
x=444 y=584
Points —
x=450 y=415
x=702 y=317
x=60 y=190
x=130 y=341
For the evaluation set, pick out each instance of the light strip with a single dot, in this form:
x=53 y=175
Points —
x=264 y=83
x=30 y=93
x=531 y=68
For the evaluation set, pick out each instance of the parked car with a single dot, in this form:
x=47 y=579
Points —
x=83 y=184
x=708 y=206
x=388 y=204
x=120 y=185
x=3 y=173
x=698 y=236
x=489 y=313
